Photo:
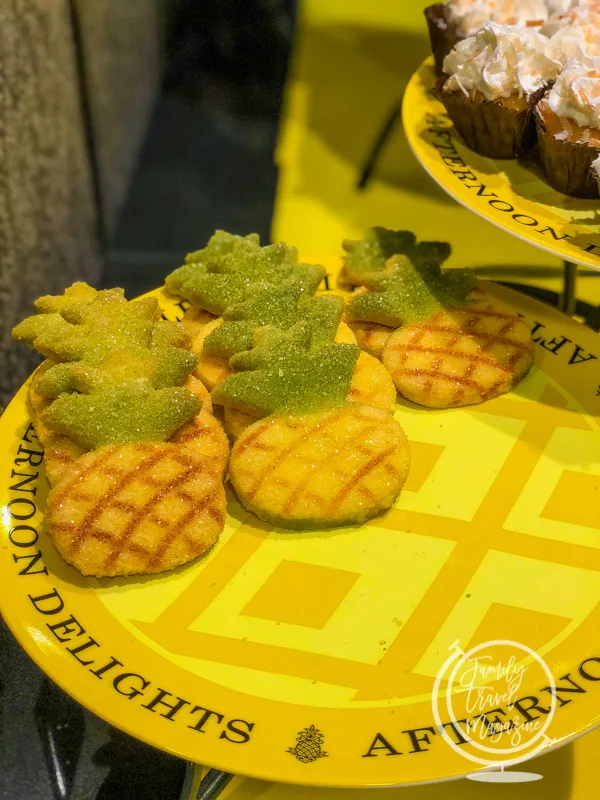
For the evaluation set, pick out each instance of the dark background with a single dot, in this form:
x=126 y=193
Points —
x=207 y=162
x=204 y=161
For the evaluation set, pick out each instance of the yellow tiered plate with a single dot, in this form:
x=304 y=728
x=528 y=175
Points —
x=227 y=661
x=511 y=194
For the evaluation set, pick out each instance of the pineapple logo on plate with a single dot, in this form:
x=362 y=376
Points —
x=308 y=745
x=493 y=722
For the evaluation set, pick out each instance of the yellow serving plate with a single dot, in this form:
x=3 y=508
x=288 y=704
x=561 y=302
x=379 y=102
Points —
x=228 y=660
x=511 y=194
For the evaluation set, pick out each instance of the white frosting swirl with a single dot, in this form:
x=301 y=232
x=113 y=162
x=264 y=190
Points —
x=500 y=61
x=468 y=16
x=562 y=6
x=576 y=93
x=574 y=35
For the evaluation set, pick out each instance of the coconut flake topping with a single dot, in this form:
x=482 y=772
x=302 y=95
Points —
x=468 y=16
x=574 y=35
x=501 y=61
x=576 y=93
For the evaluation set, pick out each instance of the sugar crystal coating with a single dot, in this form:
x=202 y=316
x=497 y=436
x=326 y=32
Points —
x=102 y=340
x=289 y=372
x=229 y=268
x=127 y=413
x=116 y=367
x=372 y=252
x=281 y=307
x=72 y=295
x=220 y=244
x=410 y=292
x=277 y=336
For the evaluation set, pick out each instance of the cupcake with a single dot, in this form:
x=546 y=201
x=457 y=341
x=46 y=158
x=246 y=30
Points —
x=495 y=79
x=596 y=172
x=576 y=34
x=443 y=34
x=568 y=129
x=455 y=20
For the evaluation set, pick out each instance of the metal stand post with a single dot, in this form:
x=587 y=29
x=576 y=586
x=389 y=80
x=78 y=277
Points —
x=213 y=784
x=378 y=145
x=568 y=299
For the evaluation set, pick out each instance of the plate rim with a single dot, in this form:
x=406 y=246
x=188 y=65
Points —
x=61 y=677
x=413 y=140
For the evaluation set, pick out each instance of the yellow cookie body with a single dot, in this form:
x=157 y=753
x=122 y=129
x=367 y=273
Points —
x=60 y=453
x=236 y=422
x=338 y=467
x=204 y=434
x=136 y=508
x=211 y=370
x=371 y=336
x=460 y=356
x=195 y=319
x=195 y=386
x=372 y=384
x=344 y=334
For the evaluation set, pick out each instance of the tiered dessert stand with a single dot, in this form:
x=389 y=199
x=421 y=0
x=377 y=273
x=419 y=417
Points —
x=510 y=194
x=318 y=658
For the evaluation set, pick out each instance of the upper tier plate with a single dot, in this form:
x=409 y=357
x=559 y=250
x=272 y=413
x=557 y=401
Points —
x=233 y=658
x=509 y=193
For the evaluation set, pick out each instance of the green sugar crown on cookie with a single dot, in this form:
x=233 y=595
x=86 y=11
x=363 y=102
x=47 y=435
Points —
x=229 y=268
x=288 y=372
x=129 y=412
x=410 y=291
x=103 y=339
x=371 y=253
x=117 y=367
x=281 y=307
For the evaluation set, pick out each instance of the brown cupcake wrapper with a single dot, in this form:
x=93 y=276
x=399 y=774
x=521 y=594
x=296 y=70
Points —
x=442 y=34
x=567 y=165
x=490 y=128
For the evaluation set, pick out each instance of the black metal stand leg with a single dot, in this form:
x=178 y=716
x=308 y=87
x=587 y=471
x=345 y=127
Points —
x=378 y=145
x=568 y=298
x=213 y=784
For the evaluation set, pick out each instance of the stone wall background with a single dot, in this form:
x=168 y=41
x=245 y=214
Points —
x=77 y=82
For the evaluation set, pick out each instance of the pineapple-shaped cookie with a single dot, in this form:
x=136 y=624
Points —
x=322 y=316
x=312 y=459
x=239 y=285
x=308 y=745
x=372 y=255
x=134 y=456
x=448 y=344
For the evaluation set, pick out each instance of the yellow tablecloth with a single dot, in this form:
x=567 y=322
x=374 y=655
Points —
x=351 y=64
x=352 y=61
